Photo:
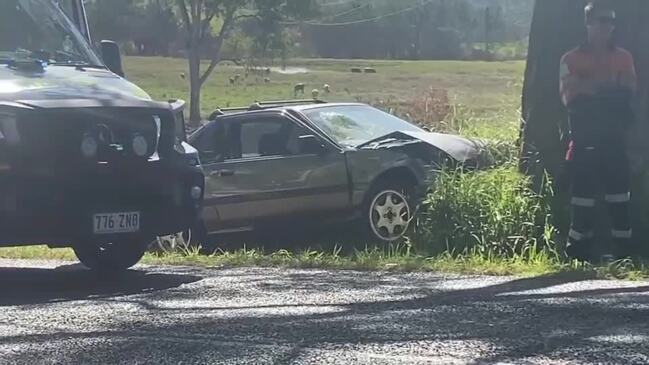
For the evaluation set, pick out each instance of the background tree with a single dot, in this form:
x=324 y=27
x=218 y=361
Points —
x=157 y=28
x=115 y=19
x=203 y=18
x=544 y=130
x=432 y=29
x=415 y=29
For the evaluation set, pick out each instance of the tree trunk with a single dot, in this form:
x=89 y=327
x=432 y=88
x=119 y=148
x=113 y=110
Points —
x=195 y=86
x=558 y=26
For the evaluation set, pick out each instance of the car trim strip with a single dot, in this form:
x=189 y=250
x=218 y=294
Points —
x=276 y=194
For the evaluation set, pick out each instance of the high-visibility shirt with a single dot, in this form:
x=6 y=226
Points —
x=617 y=64
x=601 y=117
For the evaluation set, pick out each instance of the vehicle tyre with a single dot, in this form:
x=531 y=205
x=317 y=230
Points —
x=115 y=256
x=389 y=211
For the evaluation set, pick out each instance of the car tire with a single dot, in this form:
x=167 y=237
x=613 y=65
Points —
x=388 y=211
x=114 y=256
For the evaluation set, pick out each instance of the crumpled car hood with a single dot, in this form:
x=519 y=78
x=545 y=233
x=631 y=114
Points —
x=459 y=148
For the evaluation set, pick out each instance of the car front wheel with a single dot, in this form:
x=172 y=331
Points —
x=389 y=212
x=113 y=256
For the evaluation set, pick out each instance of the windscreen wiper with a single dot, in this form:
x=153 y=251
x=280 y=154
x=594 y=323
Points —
x=71 y=60
x=77 y=64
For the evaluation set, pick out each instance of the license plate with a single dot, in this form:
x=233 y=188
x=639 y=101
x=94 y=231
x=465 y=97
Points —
x=127 y=222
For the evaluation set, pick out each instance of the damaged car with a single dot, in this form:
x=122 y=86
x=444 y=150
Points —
x=87 y=159
x=301 y=162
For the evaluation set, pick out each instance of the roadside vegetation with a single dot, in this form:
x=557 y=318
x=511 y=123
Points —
x=401 y=258
x=485 y=222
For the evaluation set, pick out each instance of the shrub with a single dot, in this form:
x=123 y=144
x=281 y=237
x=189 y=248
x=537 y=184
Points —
x=430 y=109
x=491 y=212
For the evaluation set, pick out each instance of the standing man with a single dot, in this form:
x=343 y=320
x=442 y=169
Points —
x=598 y=81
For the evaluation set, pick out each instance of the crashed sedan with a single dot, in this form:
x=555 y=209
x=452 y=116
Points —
x=320 y=162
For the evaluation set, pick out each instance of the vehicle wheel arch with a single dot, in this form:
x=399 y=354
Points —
x=401 y=175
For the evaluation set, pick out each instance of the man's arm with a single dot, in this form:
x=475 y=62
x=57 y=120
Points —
x=627 y=77
x=572 y=84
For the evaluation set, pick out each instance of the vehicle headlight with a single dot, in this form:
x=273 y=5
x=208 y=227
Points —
x=9 y=129
x=89 y=146
x=196 y=192
x=139 y=145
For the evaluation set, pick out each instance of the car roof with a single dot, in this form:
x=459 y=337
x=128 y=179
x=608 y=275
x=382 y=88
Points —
x=299 y=108
x=307 y=107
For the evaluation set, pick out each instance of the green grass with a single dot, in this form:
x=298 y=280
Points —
x=487 y=88
x=36 y=253
x=492 y=211
x=395 y=259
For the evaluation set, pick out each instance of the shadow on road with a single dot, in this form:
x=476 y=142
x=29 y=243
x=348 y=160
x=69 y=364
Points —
x=512 y=320
x=23 y=286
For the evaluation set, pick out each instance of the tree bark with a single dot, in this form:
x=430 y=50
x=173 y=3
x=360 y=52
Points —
x=557 y=27
x=197 y=20
x=195 y=86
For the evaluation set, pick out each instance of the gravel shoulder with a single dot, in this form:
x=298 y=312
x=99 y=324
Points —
x=58 y=313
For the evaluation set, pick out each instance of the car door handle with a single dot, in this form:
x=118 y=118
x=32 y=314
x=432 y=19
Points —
x=222 y=173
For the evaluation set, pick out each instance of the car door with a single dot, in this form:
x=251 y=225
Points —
x=267 y=172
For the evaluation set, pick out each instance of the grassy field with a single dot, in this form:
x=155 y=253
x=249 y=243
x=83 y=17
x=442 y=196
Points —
x=489 y=91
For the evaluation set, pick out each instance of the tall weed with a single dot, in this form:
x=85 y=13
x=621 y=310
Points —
x=487 y=212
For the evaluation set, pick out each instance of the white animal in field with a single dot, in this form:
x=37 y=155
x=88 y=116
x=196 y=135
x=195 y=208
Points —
x=299 y=88
x=326 y=88
x=315 y=93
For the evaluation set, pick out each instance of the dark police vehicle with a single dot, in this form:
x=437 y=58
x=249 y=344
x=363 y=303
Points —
x=87 y=159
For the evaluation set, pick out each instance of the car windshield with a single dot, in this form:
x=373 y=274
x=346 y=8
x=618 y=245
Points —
x=354 y=125
x=39 y=29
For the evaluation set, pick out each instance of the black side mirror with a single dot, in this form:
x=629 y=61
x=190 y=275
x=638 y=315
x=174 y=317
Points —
x=112 y=57
x=310 y=144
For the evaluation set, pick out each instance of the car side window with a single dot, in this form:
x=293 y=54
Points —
x=264 y=137
x=212 y=144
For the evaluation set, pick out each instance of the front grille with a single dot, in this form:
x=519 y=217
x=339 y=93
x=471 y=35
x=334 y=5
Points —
x=54 y=137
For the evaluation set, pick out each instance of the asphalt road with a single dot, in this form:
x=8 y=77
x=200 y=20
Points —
x=163 y=315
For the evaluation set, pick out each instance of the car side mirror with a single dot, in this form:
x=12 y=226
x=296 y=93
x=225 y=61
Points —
x=112 y=57
x=310 y=144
